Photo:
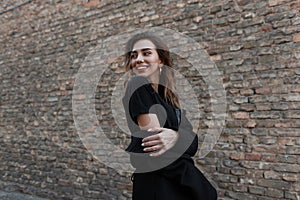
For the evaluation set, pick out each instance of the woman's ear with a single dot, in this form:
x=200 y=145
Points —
x=161 y=64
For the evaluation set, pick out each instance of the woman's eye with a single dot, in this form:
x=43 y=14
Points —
x=147 y=53
x=133 y=56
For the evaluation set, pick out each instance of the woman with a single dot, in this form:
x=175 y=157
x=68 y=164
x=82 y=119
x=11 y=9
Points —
x=162 y=140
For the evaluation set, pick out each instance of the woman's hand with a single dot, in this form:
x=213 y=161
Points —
x=159 y=143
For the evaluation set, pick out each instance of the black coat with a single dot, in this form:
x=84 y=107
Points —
x=172 y=175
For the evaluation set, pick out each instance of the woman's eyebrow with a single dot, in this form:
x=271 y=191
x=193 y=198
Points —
x=144 y=49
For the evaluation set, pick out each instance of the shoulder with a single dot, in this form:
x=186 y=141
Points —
x=138 y=92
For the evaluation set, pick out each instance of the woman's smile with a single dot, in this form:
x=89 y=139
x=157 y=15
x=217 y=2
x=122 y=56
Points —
x=145 y=60
x=141 y=68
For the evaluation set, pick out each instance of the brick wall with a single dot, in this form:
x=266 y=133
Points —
x=255 y=44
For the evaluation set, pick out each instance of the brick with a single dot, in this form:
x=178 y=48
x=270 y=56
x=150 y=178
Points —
x=293 y=114
x=239 y=188
x=260 y=131
x=269 y=158
x=257 y=190
x=265 y=90
x=287 y=167
x=297 y=187
x=197 y=19
x=279 y=106
x=216 y=57
x=269 y=148
x=294 y=150
x=272 y=175
x=240 y=100
x=292 y=97
x=250 y=124
x=296 y=38
x=276 y=184
x=247 y=107
x=92 y=3
x=252 y=156
x=246 y=181
x=237 y=156
x=258 y=99
x=145 y=19
x=286 y=141
x=238 y=171
x=239 y=195
x=291 y=177
x=223 y=170
x=265 y=115
x=240 y=115
x=236 y=77
x=268 y=140
x=287 y=158
x=227 y=178
x=215 y=9
x=295 y=5
x=291 y=195
x=265 y=28
x=286 y=132
x=229 y=163
x=281 y=125
x=274 y=193
x=266 y=59
x=251 y=140
x=247 y=92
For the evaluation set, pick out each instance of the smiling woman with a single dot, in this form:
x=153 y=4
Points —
x=162 y=139
x=145 y=60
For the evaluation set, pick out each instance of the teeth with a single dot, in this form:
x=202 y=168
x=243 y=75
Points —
x=142 y=67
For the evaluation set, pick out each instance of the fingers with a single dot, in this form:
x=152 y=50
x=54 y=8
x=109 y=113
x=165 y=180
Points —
x=159 y=143
x=158 y=153
x=156 y=150
x=151 y=143
x=153 y=148
x=153 y=137
x=156 y=129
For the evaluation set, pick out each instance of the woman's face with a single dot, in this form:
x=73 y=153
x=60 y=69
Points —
x=145 y=61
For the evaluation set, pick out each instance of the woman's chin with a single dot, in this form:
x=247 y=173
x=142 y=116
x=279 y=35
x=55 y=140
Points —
x=141 y=74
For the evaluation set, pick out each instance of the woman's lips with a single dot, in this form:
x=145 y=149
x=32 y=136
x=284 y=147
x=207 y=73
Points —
x=141 y=67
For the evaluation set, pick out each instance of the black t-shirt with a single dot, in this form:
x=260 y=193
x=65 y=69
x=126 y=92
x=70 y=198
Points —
x=141 y=98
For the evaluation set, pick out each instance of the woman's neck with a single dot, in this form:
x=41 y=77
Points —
x=155 y=86
x=154 y=82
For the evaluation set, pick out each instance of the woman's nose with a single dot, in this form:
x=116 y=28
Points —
x=139 y=58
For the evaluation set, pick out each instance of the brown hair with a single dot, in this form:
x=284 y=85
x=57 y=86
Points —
x=167 y=77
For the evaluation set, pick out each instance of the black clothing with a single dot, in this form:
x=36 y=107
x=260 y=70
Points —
x=172 y=175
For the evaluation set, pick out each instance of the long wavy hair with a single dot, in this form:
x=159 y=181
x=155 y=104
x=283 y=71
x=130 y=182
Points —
x=167 y=77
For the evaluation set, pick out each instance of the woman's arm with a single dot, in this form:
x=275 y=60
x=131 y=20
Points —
x=147 y=121
x=159 y=143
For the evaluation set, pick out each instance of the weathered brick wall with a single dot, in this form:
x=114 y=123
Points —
x=255 y=44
